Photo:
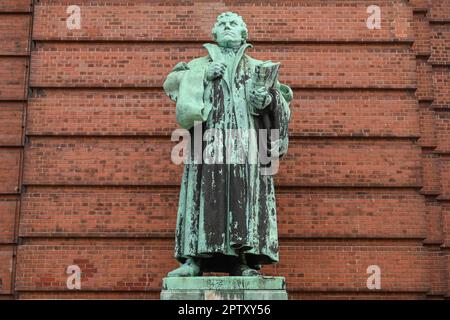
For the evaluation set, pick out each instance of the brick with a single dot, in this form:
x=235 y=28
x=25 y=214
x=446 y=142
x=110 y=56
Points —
x=144 y=161
x=439 y=11
x=420 y=5
x=442 y=124
x=101 y=112
x=424 y=90
x=84 y=295
x=13 y=77
x=8 y=209
x=441 y=86
x=15 y=6
x=358 y=213
x=354 y=113
x=431 y=173
x=6 y=265
x=350 y=163
x=434 y=221
x=343 y=268
x=118 y=211
x=105 y=266
x=445 y=207
x=116 y=161
x=192 y=21
x=9 y=170
x=447 y=256
x=14 y=32
x=440 y=48
x=422 y=32
x=11 y=118
x=427 y=125
x=444 y=166
x=150 y=212
x=438 y=272
x=138 y=266
x=150 y=112
x=299 y=295
x=147 y=65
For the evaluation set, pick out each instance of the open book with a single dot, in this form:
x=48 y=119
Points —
x=266 y=74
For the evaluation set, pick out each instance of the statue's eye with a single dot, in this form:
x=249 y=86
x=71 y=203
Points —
x=233 y=23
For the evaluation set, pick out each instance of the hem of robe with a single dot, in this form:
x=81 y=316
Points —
x=220 y=262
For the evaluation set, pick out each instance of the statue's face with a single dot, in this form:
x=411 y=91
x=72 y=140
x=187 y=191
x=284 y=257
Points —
x=229 y=32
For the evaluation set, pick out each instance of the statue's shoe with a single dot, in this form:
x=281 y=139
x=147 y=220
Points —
x=245 y=271
x=188 y=269
x=249 y=272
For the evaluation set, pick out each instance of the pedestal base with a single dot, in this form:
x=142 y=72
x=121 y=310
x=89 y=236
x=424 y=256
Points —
x=224 y=288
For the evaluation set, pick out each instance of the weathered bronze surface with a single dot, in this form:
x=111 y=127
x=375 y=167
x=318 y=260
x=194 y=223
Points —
x=227 y=213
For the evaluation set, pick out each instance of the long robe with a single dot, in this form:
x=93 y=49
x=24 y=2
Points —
x=226 y=207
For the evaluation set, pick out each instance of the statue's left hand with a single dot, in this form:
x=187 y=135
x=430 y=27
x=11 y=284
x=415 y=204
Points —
x=260 y=98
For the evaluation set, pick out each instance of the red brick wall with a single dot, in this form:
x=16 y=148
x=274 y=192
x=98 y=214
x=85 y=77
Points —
x=89 y=181
x=432 y=23
x=15 y=27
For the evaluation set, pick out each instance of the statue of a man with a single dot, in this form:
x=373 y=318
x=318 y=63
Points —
x=227 y=214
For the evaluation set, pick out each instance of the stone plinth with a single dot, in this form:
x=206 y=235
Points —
x=224 y=288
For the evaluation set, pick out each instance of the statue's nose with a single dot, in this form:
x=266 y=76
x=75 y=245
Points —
x=227 y=27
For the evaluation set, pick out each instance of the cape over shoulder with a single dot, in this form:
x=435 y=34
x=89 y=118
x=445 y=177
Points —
x=199 y=62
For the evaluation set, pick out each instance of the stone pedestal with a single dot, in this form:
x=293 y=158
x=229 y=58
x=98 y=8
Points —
x=224 y=288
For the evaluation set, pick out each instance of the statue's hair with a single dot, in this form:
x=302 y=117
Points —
x=230 y=14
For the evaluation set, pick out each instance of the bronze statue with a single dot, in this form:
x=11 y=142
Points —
x=227 y=213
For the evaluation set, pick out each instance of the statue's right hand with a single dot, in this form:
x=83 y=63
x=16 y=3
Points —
x=215 y=70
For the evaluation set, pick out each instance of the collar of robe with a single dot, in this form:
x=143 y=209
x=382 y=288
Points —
x=215 y=51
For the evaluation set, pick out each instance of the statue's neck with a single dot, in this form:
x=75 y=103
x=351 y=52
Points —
x=234 y=49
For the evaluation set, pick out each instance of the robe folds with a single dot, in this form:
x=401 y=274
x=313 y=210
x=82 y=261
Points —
x=226 y=206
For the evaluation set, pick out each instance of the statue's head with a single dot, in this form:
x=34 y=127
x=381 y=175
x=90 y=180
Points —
x=230 y=30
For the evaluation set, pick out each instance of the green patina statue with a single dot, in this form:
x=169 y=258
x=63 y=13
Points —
x=227 y=214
